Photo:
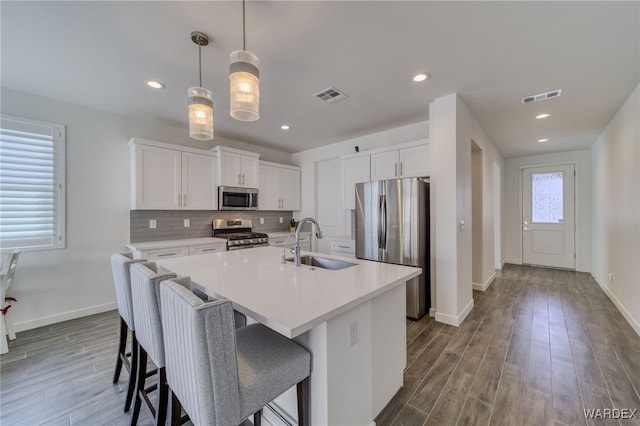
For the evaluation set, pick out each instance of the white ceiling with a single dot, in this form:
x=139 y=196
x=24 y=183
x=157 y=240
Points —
x=99 y=54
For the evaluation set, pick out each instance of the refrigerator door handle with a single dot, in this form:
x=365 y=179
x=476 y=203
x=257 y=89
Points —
x=379 y=222
x=384 y=222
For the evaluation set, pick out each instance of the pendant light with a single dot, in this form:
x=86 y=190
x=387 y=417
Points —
x=244 y=82
x=200 y=99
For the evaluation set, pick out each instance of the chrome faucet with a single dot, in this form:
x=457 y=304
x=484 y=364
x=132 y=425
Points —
x=296 y=248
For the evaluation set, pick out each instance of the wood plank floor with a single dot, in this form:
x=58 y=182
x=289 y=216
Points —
x=539 y=346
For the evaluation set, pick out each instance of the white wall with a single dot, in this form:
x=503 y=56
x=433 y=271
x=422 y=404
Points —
x=513 y=204
x=615 y=220
x=56 y=285
x=453 y=127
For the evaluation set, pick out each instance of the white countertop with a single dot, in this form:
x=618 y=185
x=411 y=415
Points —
x=175 y=243
x=288 y=299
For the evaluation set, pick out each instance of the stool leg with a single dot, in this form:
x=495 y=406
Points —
x=8 y=321
x=140 y=379
x=4 y=344
x=257 y=418
x=133 y=372
x=303 y=402
x=175 y=409
x=121 y=348
x=163 y=396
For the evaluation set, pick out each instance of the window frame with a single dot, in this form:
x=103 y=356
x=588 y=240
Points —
x=58 y=132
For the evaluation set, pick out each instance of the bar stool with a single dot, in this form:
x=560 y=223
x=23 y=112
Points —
x=120 y=267
x=221 y=375
x=6 y=279
x=145 y=281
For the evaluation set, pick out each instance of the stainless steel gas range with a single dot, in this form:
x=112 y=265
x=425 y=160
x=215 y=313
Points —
x=238 y=233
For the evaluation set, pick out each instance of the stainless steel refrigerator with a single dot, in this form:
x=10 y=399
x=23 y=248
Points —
x=392 y=226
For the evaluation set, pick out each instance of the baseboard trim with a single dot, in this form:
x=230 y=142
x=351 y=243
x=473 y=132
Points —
x=627 y=316
x=487 y=283
x=511 y=261
x=65 y=316
x=455 y=320
x=432 y=312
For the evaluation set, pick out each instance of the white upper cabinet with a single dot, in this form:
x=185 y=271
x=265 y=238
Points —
x=354 y=170
x=166 y=178
x=279 y=187
x=237 y=168
x=199 y=182
x=411 y=161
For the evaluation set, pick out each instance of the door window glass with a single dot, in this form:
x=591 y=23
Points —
x=547 y=197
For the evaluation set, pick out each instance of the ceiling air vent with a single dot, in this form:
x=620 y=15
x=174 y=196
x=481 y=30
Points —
x=542 y=96
x=331 y=95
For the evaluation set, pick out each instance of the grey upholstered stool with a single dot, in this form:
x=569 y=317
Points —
x=221 y=375
x=145 y=281
x=120 y=266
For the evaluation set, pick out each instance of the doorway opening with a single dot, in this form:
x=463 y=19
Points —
x=476 y=214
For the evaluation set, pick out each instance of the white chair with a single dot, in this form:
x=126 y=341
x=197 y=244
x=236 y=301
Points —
x=121 y=269
x=221 y=375
x=6 y=279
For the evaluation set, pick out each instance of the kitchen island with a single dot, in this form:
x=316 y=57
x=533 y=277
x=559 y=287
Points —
x=352 y=321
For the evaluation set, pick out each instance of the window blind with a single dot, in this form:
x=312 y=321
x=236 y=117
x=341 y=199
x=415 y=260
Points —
x=31 y=184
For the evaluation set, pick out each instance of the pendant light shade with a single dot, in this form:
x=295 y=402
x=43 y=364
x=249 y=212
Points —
x=200 y=113
x=244 y=82
x=200 y=100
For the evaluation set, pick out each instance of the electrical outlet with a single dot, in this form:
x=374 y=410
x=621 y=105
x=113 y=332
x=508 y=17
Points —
x=187 y=223
x=353 y=333
x=461 y=225
x=153 y=224
x=262 y=221
x=610 y=276
x=281 y=220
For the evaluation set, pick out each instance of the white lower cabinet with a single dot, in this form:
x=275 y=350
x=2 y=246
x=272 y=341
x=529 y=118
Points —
x=285 y=241
x=344 y=248
x=207 y=248
x=163 y=253
x=176 y=248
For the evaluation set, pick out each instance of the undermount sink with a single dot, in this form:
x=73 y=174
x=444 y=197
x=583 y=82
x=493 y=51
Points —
x=323 y=262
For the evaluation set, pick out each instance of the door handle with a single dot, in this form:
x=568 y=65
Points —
x=379 y=221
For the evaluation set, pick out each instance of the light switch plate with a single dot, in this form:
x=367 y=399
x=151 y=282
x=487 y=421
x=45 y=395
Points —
x=153 y=224
x=262 y=221
x=353 y=333
x=281 y=220
x=187 y=223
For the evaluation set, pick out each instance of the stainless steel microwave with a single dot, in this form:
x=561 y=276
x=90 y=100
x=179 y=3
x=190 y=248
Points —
x=234 y=198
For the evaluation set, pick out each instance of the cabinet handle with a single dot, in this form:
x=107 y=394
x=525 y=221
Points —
x=179 y=200
x=184 y=200
x=401 y=168
x=344 y=247
x=239 y=179
x=395 y=173
x=167 y=254
x=209 y=249
x=243 y=178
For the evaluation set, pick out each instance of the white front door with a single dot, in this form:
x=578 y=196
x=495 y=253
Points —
x=548 y=216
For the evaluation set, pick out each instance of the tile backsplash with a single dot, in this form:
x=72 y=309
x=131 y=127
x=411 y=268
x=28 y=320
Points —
x=170 y=223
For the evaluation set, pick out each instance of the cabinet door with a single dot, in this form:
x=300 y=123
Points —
x=290 y=189
x=164 y=253
x=354 y=170
x=157 y=179
x=384 y=165
x=414 y=161
x=269 y=189
x=230 y=174
x=249 y=171
x=207 y=248
x=199 y=187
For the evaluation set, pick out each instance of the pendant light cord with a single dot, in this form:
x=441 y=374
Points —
x=244 y=44
x=200 y=63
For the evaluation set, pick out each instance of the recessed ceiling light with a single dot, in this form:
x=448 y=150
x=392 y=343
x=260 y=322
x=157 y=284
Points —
x=421 y=77
x=543 y=140
x=155 y=84
x=285 y=127
x=545 y=115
